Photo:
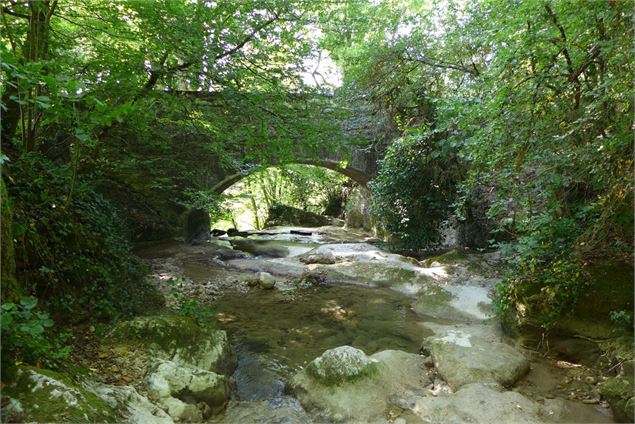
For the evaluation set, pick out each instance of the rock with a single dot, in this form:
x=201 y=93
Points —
x=138 y=409
x=461 y=358
x=437 y=302
x=279 y=215
x=178 y=339
x=475 y=403
x=182 y=390
x=324 y=258
x=196 y=225
x=278 y=410
x=267 y=281
x=610 y=289
x=354 y=219
x=39 y=395
x=341 y=364
x=345 y=385
x=619 y=393
x=264 y=248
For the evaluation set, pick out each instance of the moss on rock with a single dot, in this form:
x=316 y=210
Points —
x=40 y=395
x=179 y=339
x=341 y=365
x=619 y=392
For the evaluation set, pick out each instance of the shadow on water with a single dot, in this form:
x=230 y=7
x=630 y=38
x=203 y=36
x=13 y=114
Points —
x=275 y=333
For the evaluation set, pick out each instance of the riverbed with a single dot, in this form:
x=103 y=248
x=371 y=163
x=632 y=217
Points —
x=367 y=298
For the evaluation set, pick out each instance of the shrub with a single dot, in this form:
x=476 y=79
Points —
x=414 y=189
x=71 y=251
x=27 y=336
x=544 y=270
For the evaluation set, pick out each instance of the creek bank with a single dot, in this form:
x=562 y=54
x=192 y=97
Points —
x=453 y=289
x=179 y=371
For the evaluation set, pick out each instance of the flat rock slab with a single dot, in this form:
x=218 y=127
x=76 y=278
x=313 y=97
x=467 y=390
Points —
x=435 y=301
x=462 y=358
x=475 y=403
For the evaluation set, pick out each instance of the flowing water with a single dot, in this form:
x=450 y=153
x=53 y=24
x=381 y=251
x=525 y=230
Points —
x=277 y=332
x=280 y=331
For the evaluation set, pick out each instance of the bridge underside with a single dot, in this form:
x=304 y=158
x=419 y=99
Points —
x=361 y=177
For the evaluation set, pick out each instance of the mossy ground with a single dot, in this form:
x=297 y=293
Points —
x=49 y=396
x=619 y=392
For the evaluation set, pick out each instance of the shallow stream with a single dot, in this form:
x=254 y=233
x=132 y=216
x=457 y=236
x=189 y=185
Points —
x=277 y=332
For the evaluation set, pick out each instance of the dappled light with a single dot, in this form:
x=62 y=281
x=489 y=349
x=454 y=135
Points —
x=296 y=211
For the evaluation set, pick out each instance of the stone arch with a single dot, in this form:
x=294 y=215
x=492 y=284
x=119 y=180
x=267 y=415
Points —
x=358 y=176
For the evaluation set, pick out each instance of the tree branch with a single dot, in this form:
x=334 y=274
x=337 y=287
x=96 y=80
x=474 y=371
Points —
x=12 y=13
x=248 y=38
x=573 y=76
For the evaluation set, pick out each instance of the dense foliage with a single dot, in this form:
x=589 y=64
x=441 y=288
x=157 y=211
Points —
x=537 y=97
x=415 y=189
x=72 y=249
x=115 y=116
x=246 y=204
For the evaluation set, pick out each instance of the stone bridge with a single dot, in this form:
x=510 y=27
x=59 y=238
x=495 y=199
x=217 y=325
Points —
x=342 y=135
x=357 y=164
x=356 y=159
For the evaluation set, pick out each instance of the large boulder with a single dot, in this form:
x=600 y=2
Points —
x=178 y=339
x=187 y=394
x=473 y=403
x=279 y=215
x=39 y=395
x=185 y=363
x=610 y=288
x=340 y=365
x=345 y=385
x=461 y=358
